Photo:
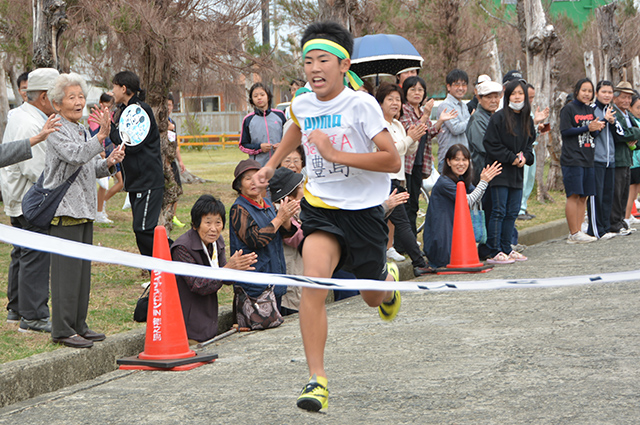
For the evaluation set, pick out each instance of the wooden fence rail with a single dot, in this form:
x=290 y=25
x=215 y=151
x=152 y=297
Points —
x=223 y=140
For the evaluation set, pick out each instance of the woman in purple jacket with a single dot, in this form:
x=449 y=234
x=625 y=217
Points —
x=203 y=244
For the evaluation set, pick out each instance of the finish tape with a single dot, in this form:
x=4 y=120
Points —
x=100 y=254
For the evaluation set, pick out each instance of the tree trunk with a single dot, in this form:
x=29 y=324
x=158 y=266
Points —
x=541 y=45
x=610 y=52
x=156 y=79
x=265 y=23
x=49 y=21
x=10 y=69
x=554 y=179
x=635 y=69
x=338 y=10
x=4 y=102
x=590 y=67
x=495 y=68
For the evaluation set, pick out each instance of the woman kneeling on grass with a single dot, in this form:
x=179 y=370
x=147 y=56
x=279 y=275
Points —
x=438 y=223
x=203 y=244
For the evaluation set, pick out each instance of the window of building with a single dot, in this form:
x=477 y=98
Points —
x=203 y=104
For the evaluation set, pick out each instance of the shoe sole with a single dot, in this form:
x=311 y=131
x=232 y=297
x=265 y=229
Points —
x=71 y=345
x=25 y=331
x=310 y=404
x=13 y=321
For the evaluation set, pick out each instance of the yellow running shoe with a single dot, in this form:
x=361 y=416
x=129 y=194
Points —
x=392 y=269
x=314 y=395
x=388 y=311
x=177 y=222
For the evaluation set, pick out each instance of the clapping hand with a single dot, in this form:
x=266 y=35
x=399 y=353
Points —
x=596 y=125
x=539 y=116
x=447 y=115
x=490 y=171
x=396 y=199
x=102 y=117
x=288 y=208
x=52 y=125
x=416 y=131
x=238 y=261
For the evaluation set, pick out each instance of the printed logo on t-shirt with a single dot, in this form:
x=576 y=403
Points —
x=585 y=140
x=323 y=122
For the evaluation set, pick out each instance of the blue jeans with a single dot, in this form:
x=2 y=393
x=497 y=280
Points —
x=505 y=208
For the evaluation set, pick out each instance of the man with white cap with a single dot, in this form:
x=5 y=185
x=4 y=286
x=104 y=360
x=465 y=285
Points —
x=626 y=135
x=473 y=103
x=489 y=94
x=28 y=282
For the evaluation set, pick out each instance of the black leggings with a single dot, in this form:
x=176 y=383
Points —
x=403 y=233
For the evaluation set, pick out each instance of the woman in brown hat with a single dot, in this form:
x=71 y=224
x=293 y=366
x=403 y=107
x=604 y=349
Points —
x=257 y=227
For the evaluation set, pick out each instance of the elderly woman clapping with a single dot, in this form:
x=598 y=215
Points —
x=70 y=149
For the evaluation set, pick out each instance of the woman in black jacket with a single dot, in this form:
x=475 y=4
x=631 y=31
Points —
x=508 y=140
x=142 y=168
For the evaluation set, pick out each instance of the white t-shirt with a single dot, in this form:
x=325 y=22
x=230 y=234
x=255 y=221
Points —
x=351 y=120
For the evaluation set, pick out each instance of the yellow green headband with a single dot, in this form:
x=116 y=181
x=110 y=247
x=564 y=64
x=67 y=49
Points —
x=337 y=50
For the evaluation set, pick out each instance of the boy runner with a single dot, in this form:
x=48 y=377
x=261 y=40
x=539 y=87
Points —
x=341 y=216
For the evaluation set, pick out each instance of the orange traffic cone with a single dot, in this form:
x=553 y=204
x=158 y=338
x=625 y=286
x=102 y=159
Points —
x=166 y=346
x=464 y=254
x=634 y=210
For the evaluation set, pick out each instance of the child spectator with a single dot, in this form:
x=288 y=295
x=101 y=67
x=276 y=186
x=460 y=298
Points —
x=262 y=129
x=604 y=165
x=578 y=126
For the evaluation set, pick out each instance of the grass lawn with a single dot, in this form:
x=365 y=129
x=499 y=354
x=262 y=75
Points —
x=115 y=289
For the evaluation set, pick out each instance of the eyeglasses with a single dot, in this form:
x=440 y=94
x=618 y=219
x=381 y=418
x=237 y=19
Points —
x=291 y=161
x=459 y=84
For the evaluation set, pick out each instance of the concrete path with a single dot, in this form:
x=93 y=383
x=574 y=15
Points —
x=535 y=356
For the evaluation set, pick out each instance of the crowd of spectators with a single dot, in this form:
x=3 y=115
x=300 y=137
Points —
x=487 y=143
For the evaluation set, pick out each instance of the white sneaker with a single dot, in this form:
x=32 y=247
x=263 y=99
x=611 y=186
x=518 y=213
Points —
x=580 y=237
x=101 y=217
x=631 y=220
x=392 y=254
x=127 y=204
x=608 y=235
